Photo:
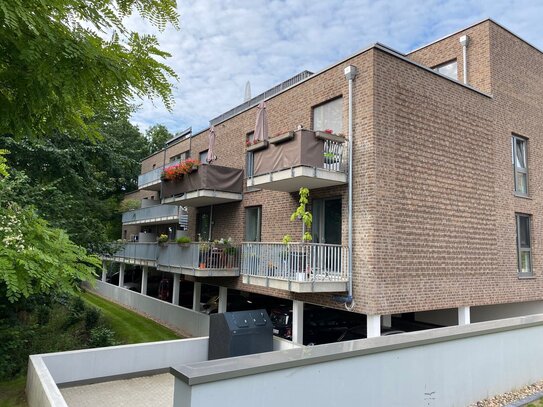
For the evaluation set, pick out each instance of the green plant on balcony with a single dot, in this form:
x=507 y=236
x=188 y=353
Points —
x=304 y=215
x=163 y=238
x=183 y=240
x=129 y=205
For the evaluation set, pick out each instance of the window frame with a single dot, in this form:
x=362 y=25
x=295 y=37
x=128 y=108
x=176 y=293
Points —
x=437 y=68
x=314 y=107
x=204 y=161
x=519 y=170
x=258 y=226
x=521 y=249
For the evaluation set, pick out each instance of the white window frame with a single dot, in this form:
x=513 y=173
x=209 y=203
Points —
x=516 y=168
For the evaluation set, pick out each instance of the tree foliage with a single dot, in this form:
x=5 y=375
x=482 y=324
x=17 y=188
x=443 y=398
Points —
x=57 y=69
x=157 y=135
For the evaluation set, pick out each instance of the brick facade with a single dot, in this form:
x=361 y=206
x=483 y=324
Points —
x=434 y=209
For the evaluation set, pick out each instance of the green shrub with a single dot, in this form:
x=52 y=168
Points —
x=183 y=239
x=102 y=336
x=76 y=311
x=92 y=316
x=43 y=314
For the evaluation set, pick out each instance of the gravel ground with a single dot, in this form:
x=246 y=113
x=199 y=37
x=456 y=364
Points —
x=510 y=397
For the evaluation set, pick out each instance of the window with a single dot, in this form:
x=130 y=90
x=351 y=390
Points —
x=524 y=245
x=183 y=156
x=329 y=116
x=449 y=69
x=203 y=224
x=249 y=157
x=253 y=220
x=520 y=167
x=203 y=157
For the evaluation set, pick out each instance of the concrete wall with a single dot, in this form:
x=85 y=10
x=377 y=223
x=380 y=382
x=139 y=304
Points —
x=452 y=366
x=41 y=390
x=188 y=321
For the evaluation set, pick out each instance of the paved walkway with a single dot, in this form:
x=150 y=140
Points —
x=156 y=391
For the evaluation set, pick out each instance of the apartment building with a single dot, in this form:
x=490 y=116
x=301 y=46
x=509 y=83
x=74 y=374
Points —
x=440 y=151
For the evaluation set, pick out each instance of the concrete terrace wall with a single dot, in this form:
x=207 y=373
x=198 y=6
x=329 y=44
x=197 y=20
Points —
x=445 y=367
x=188 y=321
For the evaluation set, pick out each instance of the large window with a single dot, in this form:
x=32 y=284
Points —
x=449 y=69
x=524 y=245
x=329 y=116
x=253 y=221
x=520 y=165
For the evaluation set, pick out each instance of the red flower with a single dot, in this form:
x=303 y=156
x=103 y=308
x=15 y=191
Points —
x=328 y=131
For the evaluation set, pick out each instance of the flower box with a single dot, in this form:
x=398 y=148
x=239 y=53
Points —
x=322 y=135
x=281 y=138
x=258 y=146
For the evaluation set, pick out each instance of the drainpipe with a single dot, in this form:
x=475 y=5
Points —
x=350 y=74
x=464 y=41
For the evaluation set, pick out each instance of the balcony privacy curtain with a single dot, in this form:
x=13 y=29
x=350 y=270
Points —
x=261 y=125
x=210 y=153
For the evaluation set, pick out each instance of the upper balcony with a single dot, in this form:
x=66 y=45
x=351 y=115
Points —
x=208 y=185
x=296 y=267
x=151 y=179
x=203 y=259
x=296 y=159
x=157 y=214
x=143 y=254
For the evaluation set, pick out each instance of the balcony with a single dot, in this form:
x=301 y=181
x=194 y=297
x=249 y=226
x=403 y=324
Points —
x=158 y=214
x=302 y=158
x=151 y=179
x=143 y=254
x=202 y=259
x=208 y=185
x=296 y=267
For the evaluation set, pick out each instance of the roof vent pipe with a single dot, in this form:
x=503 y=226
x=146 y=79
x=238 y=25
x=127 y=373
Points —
x=464 y=41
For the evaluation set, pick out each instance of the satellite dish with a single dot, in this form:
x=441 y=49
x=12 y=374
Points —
x=247 y=92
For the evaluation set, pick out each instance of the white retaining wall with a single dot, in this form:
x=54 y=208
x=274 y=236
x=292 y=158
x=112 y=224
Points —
x=191 y=322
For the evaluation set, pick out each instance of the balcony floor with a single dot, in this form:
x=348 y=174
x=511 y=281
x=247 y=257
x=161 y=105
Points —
x=316 y=286
x=154 y=221
x=201 y=272
x=204 y=197
x=127 y=260
x=292 y=179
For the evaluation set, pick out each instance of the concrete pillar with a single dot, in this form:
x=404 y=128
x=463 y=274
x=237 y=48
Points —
x=144 y=278
x=121 y=274
x=387 y=321
x=104 y=271
x=196 y=294
x=298 y=322
x=464 y=315
x=175 y=291
x=223 y=297
x=373 y=326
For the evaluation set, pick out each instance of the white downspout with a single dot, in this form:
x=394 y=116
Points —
x=350 y=74
x=464 y=41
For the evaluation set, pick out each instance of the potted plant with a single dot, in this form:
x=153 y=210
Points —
x=256 y=145
x=163 y=238
x=183 y=241
x=329 y=135
x=281 y=137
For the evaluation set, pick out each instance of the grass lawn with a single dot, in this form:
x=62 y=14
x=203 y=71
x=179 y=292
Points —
x=129 y=328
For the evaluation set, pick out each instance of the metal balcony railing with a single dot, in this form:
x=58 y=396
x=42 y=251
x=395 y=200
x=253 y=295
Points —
x=156 y=212
x=304 y=262
x=202 y=255
x=153 y=176
x=137 y=251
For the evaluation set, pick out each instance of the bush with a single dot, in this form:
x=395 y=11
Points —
x=92 y=316
x=43 y=314
x=101 y=337
x=76 y=311
x=183 y=239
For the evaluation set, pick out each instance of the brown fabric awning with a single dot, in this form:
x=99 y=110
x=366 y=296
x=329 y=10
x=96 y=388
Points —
x=214 y=177
x=303 y=149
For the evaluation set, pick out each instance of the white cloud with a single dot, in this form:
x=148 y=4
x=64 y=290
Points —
x=223 y=44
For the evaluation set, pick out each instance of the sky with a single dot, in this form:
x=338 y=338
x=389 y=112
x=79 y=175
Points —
x=222 y=44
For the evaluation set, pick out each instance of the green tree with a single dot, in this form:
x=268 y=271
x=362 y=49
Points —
x=64 y=61
x=76 y=184
x=157 y=135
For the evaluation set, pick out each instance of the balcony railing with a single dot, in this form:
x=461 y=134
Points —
x=301 y=158
x=200 y=259
x=208 y=185
x=154 y=214
x=298 y=267
x=152 y=178
x=136 y=253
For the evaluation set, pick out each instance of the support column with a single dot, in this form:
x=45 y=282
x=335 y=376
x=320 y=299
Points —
x=121 y=274
x=387 y=321
x=196 y=294
x=144 y=278
x=373 y=326
x=104 y=271
x=223 y=297
x=298 y=322
x=175 y=291
x=464 y=315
